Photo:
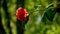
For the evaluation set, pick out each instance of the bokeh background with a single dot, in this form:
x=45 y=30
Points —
x=35 y=25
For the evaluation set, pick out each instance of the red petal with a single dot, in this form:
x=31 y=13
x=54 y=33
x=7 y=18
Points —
x=21 y=13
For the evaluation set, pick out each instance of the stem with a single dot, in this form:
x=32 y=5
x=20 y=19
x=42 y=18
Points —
x=2 y=31
x=20 y=29
x=7 y=15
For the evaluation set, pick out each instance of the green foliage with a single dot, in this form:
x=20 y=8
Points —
x=42 y=17
x=48 y=23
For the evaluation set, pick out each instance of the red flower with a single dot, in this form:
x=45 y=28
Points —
x=21 y=13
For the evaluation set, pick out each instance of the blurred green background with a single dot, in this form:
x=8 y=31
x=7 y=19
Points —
x=35 y=24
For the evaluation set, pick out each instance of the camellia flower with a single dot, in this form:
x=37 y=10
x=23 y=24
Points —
x=21 y=13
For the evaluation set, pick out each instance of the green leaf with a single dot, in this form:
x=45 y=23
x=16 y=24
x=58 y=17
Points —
x=49 y=13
